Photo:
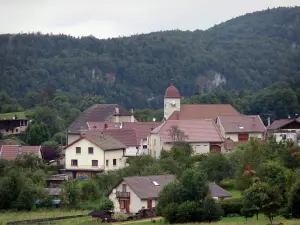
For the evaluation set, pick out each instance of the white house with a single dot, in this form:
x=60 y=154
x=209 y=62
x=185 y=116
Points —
x=93 y=154
x=135 y=193
x=203 y=136
x=240 y=128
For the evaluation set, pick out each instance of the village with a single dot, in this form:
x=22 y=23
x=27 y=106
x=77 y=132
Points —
x=105 y=137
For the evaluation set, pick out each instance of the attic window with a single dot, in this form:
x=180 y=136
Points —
x=94 y=126
x=116 y=125
x=241 y=127
x=155 y=183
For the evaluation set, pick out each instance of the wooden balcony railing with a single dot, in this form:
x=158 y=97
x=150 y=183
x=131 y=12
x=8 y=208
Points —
x=121 y=194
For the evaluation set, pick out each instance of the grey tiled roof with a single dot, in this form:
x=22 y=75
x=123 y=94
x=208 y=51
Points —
x=217 y=191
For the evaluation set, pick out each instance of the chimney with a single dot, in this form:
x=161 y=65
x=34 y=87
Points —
x=117 y=110
x=269 y=121
x=105 y=126
x=131 y=110
x=82 y=131
x=20 y=150
x=121 y=125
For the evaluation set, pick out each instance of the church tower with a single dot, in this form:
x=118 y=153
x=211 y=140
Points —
x=171 y=101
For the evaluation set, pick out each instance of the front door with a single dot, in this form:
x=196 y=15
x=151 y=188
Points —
x=149 y=204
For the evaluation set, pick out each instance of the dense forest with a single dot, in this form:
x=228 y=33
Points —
x=249 y=52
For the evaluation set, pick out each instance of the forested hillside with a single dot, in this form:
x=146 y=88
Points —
x=249 y=52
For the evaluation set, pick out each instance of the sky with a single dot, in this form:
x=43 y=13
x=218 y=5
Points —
x=114 y=18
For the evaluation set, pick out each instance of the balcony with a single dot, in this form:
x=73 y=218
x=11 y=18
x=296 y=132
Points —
x=122 y=194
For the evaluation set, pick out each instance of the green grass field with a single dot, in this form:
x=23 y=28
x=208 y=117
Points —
x=12 y=216
x=235 y=193
x=20 y=115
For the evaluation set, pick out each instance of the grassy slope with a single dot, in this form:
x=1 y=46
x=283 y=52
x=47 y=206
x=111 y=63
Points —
x=20 y=115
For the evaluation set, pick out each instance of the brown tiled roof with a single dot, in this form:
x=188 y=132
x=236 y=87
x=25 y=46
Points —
x=278 y=124
x=126 y=136
x=142 y=129
x=172 y=92
x=10 y=152
x=104 y=142
x=143 y=186
x=196 y=130
x=242 y=124
x=97 y=113
x=203 y=111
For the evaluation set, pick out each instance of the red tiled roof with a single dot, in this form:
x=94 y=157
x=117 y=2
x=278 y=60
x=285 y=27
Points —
x=242 y=123
x=203 y=111
x=99 y=113
x=196 y=130
x=277 y=124
x=10 y=152
x=127 y=136
x=142 y=129
x=104 y=142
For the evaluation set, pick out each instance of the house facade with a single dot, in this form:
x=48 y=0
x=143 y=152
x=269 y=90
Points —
x=136 y=193
x=241 y=128
x=203 y=136
x=285 y=130
x=13 y=126
x=89 y=155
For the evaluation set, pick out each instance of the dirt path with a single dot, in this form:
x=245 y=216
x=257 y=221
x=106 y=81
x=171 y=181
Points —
x=138 y=221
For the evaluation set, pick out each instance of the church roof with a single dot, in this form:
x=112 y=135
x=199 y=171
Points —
x=172 y=92
x=203 y=111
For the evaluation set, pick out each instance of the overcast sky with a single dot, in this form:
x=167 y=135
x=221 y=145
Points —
x=113 y=18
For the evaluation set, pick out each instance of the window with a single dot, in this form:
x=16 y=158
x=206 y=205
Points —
x=17 y=130
x=114 y=162
x=91 y=150
x=107 y=162
x=155 y=183
x=124 y=187
x=94 y=162
x=74 y=162
x=78 y=150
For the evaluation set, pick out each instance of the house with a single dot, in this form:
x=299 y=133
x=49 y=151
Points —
x=203 y=135
x=13 y=126
x=92 y=154
x=135 y=193
x=99 y=113
x=173 y=110
x=126 y=136
x=240 y=128
x=10 y=152
x=56 y=181
x=285 y=130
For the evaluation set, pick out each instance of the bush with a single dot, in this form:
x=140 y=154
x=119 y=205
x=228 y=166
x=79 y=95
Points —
x=227 y=184
x=231 y=206
x=188 y=211
x=120 y=216
x=211 y=210
x=99 y=204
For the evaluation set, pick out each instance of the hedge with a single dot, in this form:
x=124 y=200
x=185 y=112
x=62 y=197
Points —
x=231 y=206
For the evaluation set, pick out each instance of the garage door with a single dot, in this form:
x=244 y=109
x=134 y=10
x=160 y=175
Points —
x=243 y=137
x=215 y=148
x=202 y=148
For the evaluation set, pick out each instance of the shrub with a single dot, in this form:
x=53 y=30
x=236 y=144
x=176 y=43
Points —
x=99 y=204
x=227 y=184
x=211 y=210
x=231 y=206
x=294 y=200
x=120 y=216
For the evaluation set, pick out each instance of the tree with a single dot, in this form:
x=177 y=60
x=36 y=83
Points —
x=211 y=210
x=176 y=134
x=37 y=133
x=70 y=194
x=294 y=200
x=267 y=199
